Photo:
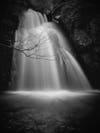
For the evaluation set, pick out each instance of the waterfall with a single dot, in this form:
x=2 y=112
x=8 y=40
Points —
x=43 y=59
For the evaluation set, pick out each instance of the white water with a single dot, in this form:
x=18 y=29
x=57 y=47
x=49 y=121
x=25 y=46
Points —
x=51 y=65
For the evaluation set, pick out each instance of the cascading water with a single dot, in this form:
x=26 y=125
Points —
x=44 y=60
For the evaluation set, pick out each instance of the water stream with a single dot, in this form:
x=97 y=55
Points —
x=44 y=60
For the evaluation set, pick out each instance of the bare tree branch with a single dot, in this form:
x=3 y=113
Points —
x=35 y=45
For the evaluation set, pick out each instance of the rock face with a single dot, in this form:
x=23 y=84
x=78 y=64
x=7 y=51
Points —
x=80 y=20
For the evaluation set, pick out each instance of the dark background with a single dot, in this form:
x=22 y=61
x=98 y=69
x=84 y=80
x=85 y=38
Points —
x=79 y=20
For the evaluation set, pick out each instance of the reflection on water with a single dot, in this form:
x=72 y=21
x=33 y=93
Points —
x=24 y=114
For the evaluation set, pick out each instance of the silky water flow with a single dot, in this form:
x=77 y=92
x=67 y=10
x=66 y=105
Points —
x=43 y=59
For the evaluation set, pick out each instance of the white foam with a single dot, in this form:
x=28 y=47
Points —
x=62 y=94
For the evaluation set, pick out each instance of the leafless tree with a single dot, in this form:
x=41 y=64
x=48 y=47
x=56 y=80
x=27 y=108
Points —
x=34 y=45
